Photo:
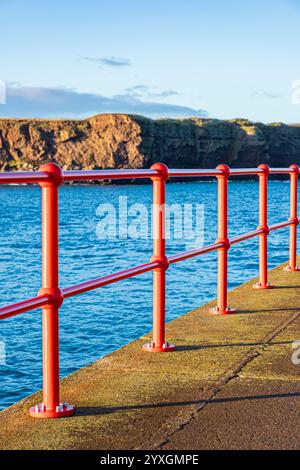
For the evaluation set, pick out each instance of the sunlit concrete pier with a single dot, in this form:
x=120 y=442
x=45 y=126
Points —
x=230 y=384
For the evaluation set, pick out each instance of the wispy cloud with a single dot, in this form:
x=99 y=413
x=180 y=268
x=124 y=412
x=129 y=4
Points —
x=109 y=61
x=265 y=94
x=144 y=91
x=39 y=102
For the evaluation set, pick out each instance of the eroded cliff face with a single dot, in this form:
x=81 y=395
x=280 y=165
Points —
x=123 y=141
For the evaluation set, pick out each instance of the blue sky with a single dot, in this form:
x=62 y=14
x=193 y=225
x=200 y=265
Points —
x=224 y=59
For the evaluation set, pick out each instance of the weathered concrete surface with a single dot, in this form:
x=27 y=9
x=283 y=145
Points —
x=230 y=384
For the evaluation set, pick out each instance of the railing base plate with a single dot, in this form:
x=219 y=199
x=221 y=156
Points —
x=261 y=286
x=150 y=347
x=62 y=411
x=290 y=269
x=217 y=311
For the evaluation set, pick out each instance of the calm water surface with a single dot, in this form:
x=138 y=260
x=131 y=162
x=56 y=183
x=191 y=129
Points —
x=96 y=323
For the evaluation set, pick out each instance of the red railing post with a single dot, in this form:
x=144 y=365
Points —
x=292 y=266
x=263 y=225
x=51 y=407
x=158 y=343
x=222 y=307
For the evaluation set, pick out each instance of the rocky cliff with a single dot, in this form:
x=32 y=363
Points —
x=125 y=141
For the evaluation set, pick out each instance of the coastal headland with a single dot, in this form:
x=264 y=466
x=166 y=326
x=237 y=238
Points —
x=130 y=141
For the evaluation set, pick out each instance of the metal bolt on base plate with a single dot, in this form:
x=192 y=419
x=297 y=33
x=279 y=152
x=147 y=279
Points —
x=217 y=311
x=259 y=285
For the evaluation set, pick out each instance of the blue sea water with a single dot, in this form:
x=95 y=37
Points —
x=98 y=322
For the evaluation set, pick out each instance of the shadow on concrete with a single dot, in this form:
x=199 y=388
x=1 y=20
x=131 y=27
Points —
x=93 y=411
x=286 y=287
x=197 y=347
x=268 y=310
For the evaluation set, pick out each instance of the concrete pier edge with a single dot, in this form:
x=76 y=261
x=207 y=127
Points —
x=230 y=384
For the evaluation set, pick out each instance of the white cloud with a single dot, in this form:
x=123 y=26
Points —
x=109 y=61
x=22 y=101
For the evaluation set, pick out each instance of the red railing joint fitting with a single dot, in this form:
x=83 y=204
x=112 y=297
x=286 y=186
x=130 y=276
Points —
x=294 y=220
x=164 y=263
x=55 y=175
x=265 y=230
x=56 y=296
x=225 y=242
x=295 y=169
x=162 y=172
x=265 y=169
x=225 y=170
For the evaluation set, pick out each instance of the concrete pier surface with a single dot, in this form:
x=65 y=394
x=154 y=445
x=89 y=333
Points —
x=231 y=384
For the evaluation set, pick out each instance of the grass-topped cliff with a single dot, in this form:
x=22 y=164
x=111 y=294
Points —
x=127 y=141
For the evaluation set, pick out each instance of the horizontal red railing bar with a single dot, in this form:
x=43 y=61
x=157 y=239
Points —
x=246 y=236
x=245 y=171
x=193 y=173
x=24 y=306
x=90 y=175
x=281 y=171
x=13 y=177
x=196 y=252
x=82 y=175
x=110 y=279
x=40 y=301
x=280 y=225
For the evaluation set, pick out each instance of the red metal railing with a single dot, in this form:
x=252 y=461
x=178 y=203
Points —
x=51 y=297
